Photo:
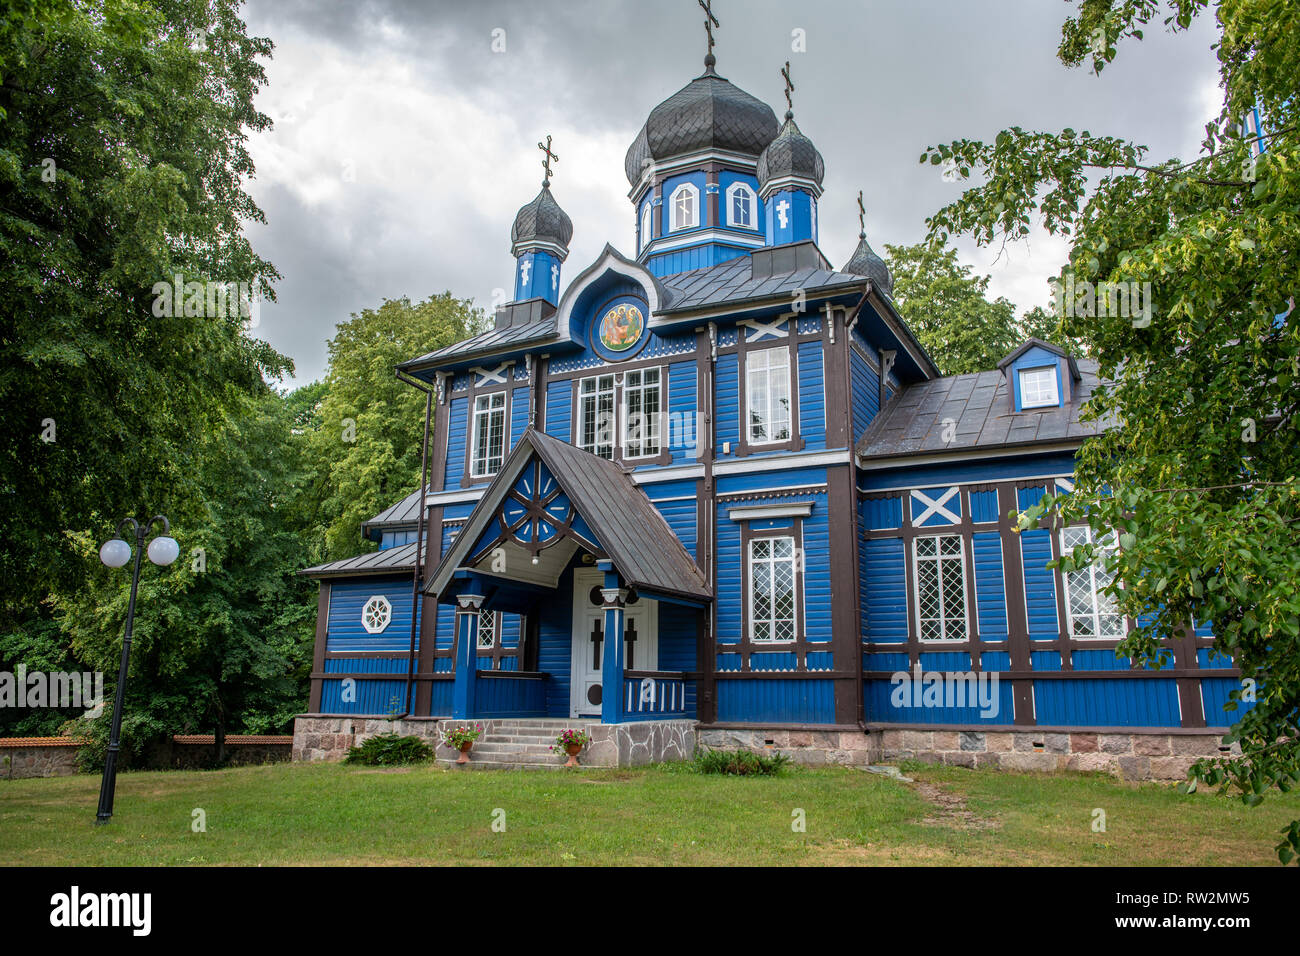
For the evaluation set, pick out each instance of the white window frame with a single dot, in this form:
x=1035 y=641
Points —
x=768 y=566
x=376 y=614
x=756 y=368
x=945 y=620
x=751 y=204
x=590 y=391
x=484 y=459
x=1045 y=398
x=650 y=444
x=495 y=631
x=1095 y=573
x=647 y=223
x=685 y=189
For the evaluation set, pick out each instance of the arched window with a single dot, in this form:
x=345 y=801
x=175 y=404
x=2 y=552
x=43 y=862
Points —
x=742 y=210
x=647 y=233
x=684 y=202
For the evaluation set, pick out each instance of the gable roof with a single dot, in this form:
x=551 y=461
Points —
x=912 y=423
x=630 y=530
x=403 y=514
x=1032 y=342
x=388 y=561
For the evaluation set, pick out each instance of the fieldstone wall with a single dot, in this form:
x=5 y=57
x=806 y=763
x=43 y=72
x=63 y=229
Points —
x=813 y=748
x=1128 y=756
x=38 y=760
x=639 y=743
x=322 y=737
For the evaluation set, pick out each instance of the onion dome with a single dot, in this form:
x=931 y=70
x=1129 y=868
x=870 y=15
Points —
x=865 y=262
x=707 y=113
x=543 y=224
x=790 y=155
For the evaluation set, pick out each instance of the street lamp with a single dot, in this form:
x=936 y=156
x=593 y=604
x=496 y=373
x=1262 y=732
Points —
x=163 y=550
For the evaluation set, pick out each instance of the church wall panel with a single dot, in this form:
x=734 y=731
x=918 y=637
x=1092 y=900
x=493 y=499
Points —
x=812 y=397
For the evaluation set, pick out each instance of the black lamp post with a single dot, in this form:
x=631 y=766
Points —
x=163 y=550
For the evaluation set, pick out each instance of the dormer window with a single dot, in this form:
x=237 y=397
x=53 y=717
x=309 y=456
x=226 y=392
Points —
x=741 y=207
x=685 y=202
x=1038 y=387
x=647 y=211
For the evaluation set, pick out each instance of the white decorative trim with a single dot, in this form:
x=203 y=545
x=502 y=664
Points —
x=609 y=261
x=376 y=614
x=970 y=454
x=782 y=461
x=686 y=187
x=933 y=506
x=742 y=162
x=798 y=509
x=791 y=182
x=730 y=199
x=667 y=473
x=682 y=239
x=452 y=497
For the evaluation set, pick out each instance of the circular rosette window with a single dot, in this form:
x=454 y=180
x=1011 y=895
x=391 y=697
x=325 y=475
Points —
x=619 y=328
x=376 y=614
x=536 y=511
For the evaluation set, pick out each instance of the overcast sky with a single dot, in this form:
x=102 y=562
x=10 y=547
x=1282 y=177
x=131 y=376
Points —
x=403 y=144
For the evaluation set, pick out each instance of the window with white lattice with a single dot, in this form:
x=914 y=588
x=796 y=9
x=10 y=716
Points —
x=1091 y=613
x=940 y=575
x=488 y=629
x=773 y=602
x=596 y=415
x=1038 y=387
x=767 y=395
x=641 y=413
x=489 y=434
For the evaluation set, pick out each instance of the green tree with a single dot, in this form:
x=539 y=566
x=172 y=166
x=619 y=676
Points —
x=364 y=438
x=1205 y=455
x=947 y=307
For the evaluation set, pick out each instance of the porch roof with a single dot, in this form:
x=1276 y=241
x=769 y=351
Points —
x=638 y=541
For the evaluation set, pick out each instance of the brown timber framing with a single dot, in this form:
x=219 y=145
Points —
x=742 y=347
x=471 y=393
x=1018 y=644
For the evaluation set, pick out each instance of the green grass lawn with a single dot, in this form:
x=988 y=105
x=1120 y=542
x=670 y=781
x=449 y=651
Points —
x=333 y=814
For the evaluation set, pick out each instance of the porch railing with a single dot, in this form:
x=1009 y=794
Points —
x=511 y=694
x=657 y=694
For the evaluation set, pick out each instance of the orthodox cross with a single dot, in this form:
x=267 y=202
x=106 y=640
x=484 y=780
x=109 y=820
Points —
x=710 y=22
x=789 y=87
x=629 y=635
x=596 y=637
x=546 y=163
x=862 y=215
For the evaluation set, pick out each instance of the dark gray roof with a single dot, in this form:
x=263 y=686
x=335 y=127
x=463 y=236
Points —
x=389 y=561
x=733 y=282
x=913 y=422
x=632 y=532
x=541 y=220
x=707 y=113
x=865 y=262
x=402 y=514
x=790 y=154
x=494 y=340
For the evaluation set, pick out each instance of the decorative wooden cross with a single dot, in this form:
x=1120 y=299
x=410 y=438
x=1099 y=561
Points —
x=546 y=163
x=596 y=638
x=862 y=215
x=789 y=87
x=629 y=635
x=709 y=23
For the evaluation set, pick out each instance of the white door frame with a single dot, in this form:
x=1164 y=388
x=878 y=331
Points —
x=646 y=615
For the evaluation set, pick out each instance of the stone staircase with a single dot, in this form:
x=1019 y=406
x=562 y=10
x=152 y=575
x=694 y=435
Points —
x=521 y=744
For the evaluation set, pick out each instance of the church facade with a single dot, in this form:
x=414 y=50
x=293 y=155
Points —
x=715 y=483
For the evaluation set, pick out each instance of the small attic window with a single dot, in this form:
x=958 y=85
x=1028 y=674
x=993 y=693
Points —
x=1038 y=387
x=684 y=202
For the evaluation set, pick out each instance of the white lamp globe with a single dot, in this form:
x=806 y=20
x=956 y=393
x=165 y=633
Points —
x=163 y=550
x=115 y=553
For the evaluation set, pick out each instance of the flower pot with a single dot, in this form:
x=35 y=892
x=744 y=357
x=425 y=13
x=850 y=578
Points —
x=572 y=750
x=464 y=751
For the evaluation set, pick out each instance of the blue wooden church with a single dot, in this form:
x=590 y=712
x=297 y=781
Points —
x=712 y=490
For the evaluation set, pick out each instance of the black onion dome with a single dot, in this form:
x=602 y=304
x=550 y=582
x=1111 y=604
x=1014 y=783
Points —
x=707 y=113
x=542 y=220
x=790 y=154
x=865 y=262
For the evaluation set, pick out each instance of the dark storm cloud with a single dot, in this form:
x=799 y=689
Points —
x=877 y=83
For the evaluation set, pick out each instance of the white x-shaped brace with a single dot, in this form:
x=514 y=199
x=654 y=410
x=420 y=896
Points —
x=1064 y=484
x=760 y=329
x=492 y=378
x=935 y=507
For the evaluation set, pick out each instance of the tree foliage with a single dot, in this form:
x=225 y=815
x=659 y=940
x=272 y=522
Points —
x=1198 y=475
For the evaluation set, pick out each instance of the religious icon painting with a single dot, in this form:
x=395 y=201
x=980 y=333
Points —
x=619 y=328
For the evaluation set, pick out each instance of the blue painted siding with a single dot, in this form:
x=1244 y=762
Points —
x=344 y=630
x=728 y=619
x=559 y=409
x=984 y=506
x=1214 y=697
x=457 y=441
x=864 y=392
x=1106 y=703
x=880 y=697
x=884 y=581
x=990 y=589
x=726 y=410
x=682 y=435
x=812 y=397
x=1029 y=466
x=695 y=257
x=555 y=646
x=1040 y=585
x=518 y=413
x=882 y=514
x=776 y=700
x=681 y=517
x=678 y=645
x=817 y=573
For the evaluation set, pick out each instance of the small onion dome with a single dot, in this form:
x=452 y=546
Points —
x=541 y=222
x=791 y=154
x=708 y=113
x=865 y=262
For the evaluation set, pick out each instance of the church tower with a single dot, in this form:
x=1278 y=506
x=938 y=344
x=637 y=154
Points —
x=790 y=174
x=539 y=241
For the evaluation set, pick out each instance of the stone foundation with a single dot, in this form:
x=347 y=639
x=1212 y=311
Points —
x=1130 y=756
x=323 y=737
x=812 y=748
x=639 y=743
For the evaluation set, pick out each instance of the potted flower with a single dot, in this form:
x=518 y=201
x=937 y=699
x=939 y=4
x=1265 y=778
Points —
x=461 y=738
x=571 y=742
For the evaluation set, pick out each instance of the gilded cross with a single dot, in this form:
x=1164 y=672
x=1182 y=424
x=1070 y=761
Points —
x=709 y=23
x=546 y=163
x=789 y=87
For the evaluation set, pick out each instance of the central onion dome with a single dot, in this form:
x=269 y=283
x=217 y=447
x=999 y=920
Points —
x=541 y=223
x=790 y=155
x=707 y=113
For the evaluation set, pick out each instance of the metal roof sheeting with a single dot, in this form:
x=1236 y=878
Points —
x=388 y=561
